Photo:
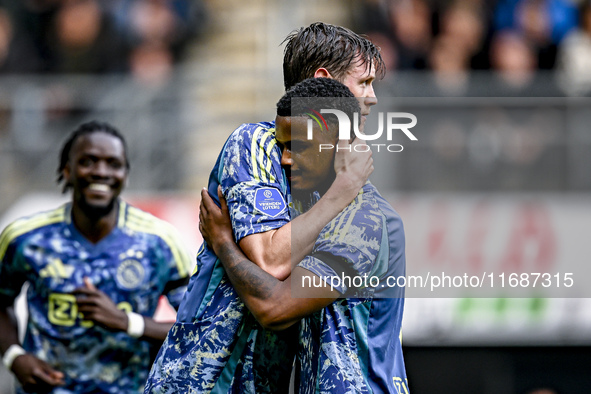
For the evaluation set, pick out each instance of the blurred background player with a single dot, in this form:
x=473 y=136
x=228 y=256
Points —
x=96 y=268
x=215 y=344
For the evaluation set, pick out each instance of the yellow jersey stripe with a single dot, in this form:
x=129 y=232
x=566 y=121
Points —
x=261 y=172
x=354 y=209
x=266 y=151
x=122 y=210
x=22 y=226
x=253 y=157
x=142 y=222
x=201 y=250
x=341 y=227
x=270 y=162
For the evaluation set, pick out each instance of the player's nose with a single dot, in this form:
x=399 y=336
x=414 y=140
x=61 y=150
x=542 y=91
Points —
x=371 y=98
x=286 y=159
x=101 y=169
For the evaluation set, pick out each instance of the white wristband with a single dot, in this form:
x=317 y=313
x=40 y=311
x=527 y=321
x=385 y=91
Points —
x=11 y=353
x=135 y=324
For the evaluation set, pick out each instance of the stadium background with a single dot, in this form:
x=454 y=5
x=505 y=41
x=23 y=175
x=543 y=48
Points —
x=499 y=178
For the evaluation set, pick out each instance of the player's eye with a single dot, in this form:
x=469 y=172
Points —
x=85 y=161
x=116 y=164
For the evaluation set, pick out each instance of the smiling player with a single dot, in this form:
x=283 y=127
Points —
x=96 y=268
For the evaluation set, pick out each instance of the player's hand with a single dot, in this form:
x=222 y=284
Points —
x=98 y=307
x=353 y=164
x=214 y=222
x=35 y=375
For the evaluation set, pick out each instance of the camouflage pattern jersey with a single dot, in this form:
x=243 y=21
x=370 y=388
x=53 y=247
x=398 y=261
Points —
x=138 y=261
x=216 y=346
x=353 y=345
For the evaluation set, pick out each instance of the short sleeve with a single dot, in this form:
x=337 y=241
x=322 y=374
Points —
x=253 y=182
x=180 y=264
x=12 y=269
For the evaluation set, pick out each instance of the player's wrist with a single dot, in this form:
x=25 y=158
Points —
x=346 y=187
x=222 y=242
x=135 y=324
x=11 y=354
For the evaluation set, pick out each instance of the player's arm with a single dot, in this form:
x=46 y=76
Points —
x=278 y=251
x=268 y=298
x=34 y=375
x=99 y=308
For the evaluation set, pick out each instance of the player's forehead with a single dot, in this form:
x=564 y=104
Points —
x=98 y=144
x=361 y=69
x=289 y=128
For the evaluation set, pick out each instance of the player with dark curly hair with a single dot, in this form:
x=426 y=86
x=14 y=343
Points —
x=96 y=268
x=216 y=345
x=350 y=319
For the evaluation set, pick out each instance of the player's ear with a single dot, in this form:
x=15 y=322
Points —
x=322 y=73
x=66 y=172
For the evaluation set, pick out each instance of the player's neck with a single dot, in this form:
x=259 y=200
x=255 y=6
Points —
x=94 y=227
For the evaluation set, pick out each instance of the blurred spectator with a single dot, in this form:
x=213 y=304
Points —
x=153 y=32
x=560 y=15
x=411 y=23
x=543 y=22
x=5 y=37
x=464 y=24
x=514 y=62
x=450 y=64
x=22 y=45
x=372 y=17
x=151 y=63
x=97 y=36
x=514 y=65
x=85 y=41
x=574 y=56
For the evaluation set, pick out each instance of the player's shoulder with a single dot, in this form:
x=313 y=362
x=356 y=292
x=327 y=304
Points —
x=32 y=224
x=145 y=227
x=249 y=135
x=140 y=221
x=366 y=203
x=391 y=221
x=364 y=219
x=373 y=201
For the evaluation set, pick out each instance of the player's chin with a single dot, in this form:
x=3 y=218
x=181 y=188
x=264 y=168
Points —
x=295 y=182
x=98 y=207
x=98 y=200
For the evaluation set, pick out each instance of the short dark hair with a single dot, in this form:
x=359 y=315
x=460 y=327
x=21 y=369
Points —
x=333 y=47
x=318 y=93
x=93 y=126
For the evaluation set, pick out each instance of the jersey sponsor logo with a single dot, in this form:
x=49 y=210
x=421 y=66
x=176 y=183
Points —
x=56 y=269
x=269 y=201
x=400 y=385
x=130 y=274
x=63 y=310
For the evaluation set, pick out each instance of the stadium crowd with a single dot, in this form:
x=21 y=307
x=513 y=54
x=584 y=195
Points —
x=515 y=39
x=145 y=38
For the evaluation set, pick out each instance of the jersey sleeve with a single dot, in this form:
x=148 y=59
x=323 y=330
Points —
x=12 y=271
x=347 y=248
x=180 y=264
x=253 y=182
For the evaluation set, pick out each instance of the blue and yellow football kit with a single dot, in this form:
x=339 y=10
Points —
x=141 y=259
x=353 y=345
x=216 y=345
